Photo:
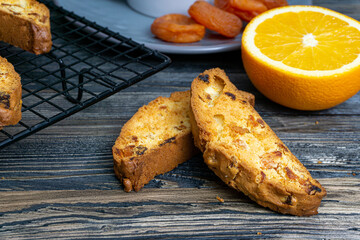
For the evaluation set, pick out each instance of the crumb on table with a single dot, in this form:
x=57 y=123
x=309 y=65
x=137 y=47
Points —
x=220 y=199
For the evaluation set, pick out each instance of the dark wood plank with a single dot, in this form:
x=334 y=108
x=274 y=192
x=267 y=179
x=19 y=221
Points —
x=173 y=213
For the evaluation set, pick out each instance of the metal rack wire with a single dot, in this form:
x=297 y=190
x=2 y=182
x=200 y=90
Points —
x=87 y=63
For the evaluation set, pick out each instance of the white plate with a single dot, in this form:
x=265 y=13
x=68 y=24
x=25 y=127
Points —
x=119 y=17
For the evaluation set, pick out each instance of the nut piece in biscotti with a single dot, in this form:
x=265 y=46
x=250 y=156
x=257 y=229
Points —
x=154 y=141
x=25 y=24
x=245 y=153
x=10 y=94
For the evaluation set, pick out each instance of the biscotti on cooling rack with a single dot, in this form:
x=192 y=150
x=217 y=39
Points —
x=10 y=94
x=25 y=24
x=244 y=152
x=155 y=140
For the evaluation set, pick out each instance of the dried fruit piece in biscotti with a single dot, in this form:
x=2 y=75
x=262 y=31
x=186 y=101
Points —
x=25 y=24
x=245 y=153
x=155 y=140
x=10 y=94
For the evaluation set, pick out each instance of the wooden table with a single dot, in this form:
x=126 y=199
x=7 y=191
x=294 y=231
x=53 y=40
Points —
x=59 y=183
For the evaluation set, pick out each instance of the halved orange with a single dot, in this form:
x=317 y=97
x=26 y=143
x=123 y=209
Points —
x=303 y=57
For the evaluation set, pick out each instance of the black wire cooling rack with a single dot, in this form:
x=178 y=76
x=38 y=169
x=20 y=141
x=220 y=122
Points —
x=87 y=63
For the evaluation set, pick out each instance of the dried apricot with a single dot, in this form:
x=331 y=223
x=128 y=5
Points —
x=177 y=28
x=270 y=4
x=216 y=19
x=243 y=15
x=249 y=5
x=248 y=9
x=247 y=16
x=224 y=5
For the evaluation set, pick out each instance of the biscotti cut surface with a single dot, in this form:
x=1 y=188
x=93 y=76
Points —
x=245 y=153
x=25 y=24
x=10 y=94
x=154 y=141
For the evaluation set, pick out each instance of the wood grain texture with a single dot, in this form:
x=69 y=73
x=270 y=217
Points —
x=60 y=184
x=173 y=213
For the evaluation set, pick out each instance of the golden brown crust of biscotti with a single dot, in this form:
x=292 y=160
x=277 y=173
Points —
x=10 y=94
x=137 y=172
x=25 y=24
x=245 y=153
x=154 y=141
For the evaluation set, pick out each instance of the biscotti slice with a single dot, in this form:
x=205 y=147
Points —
x=245 y=153
x=155 y=140
x=25 y=24
x=10 y=94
